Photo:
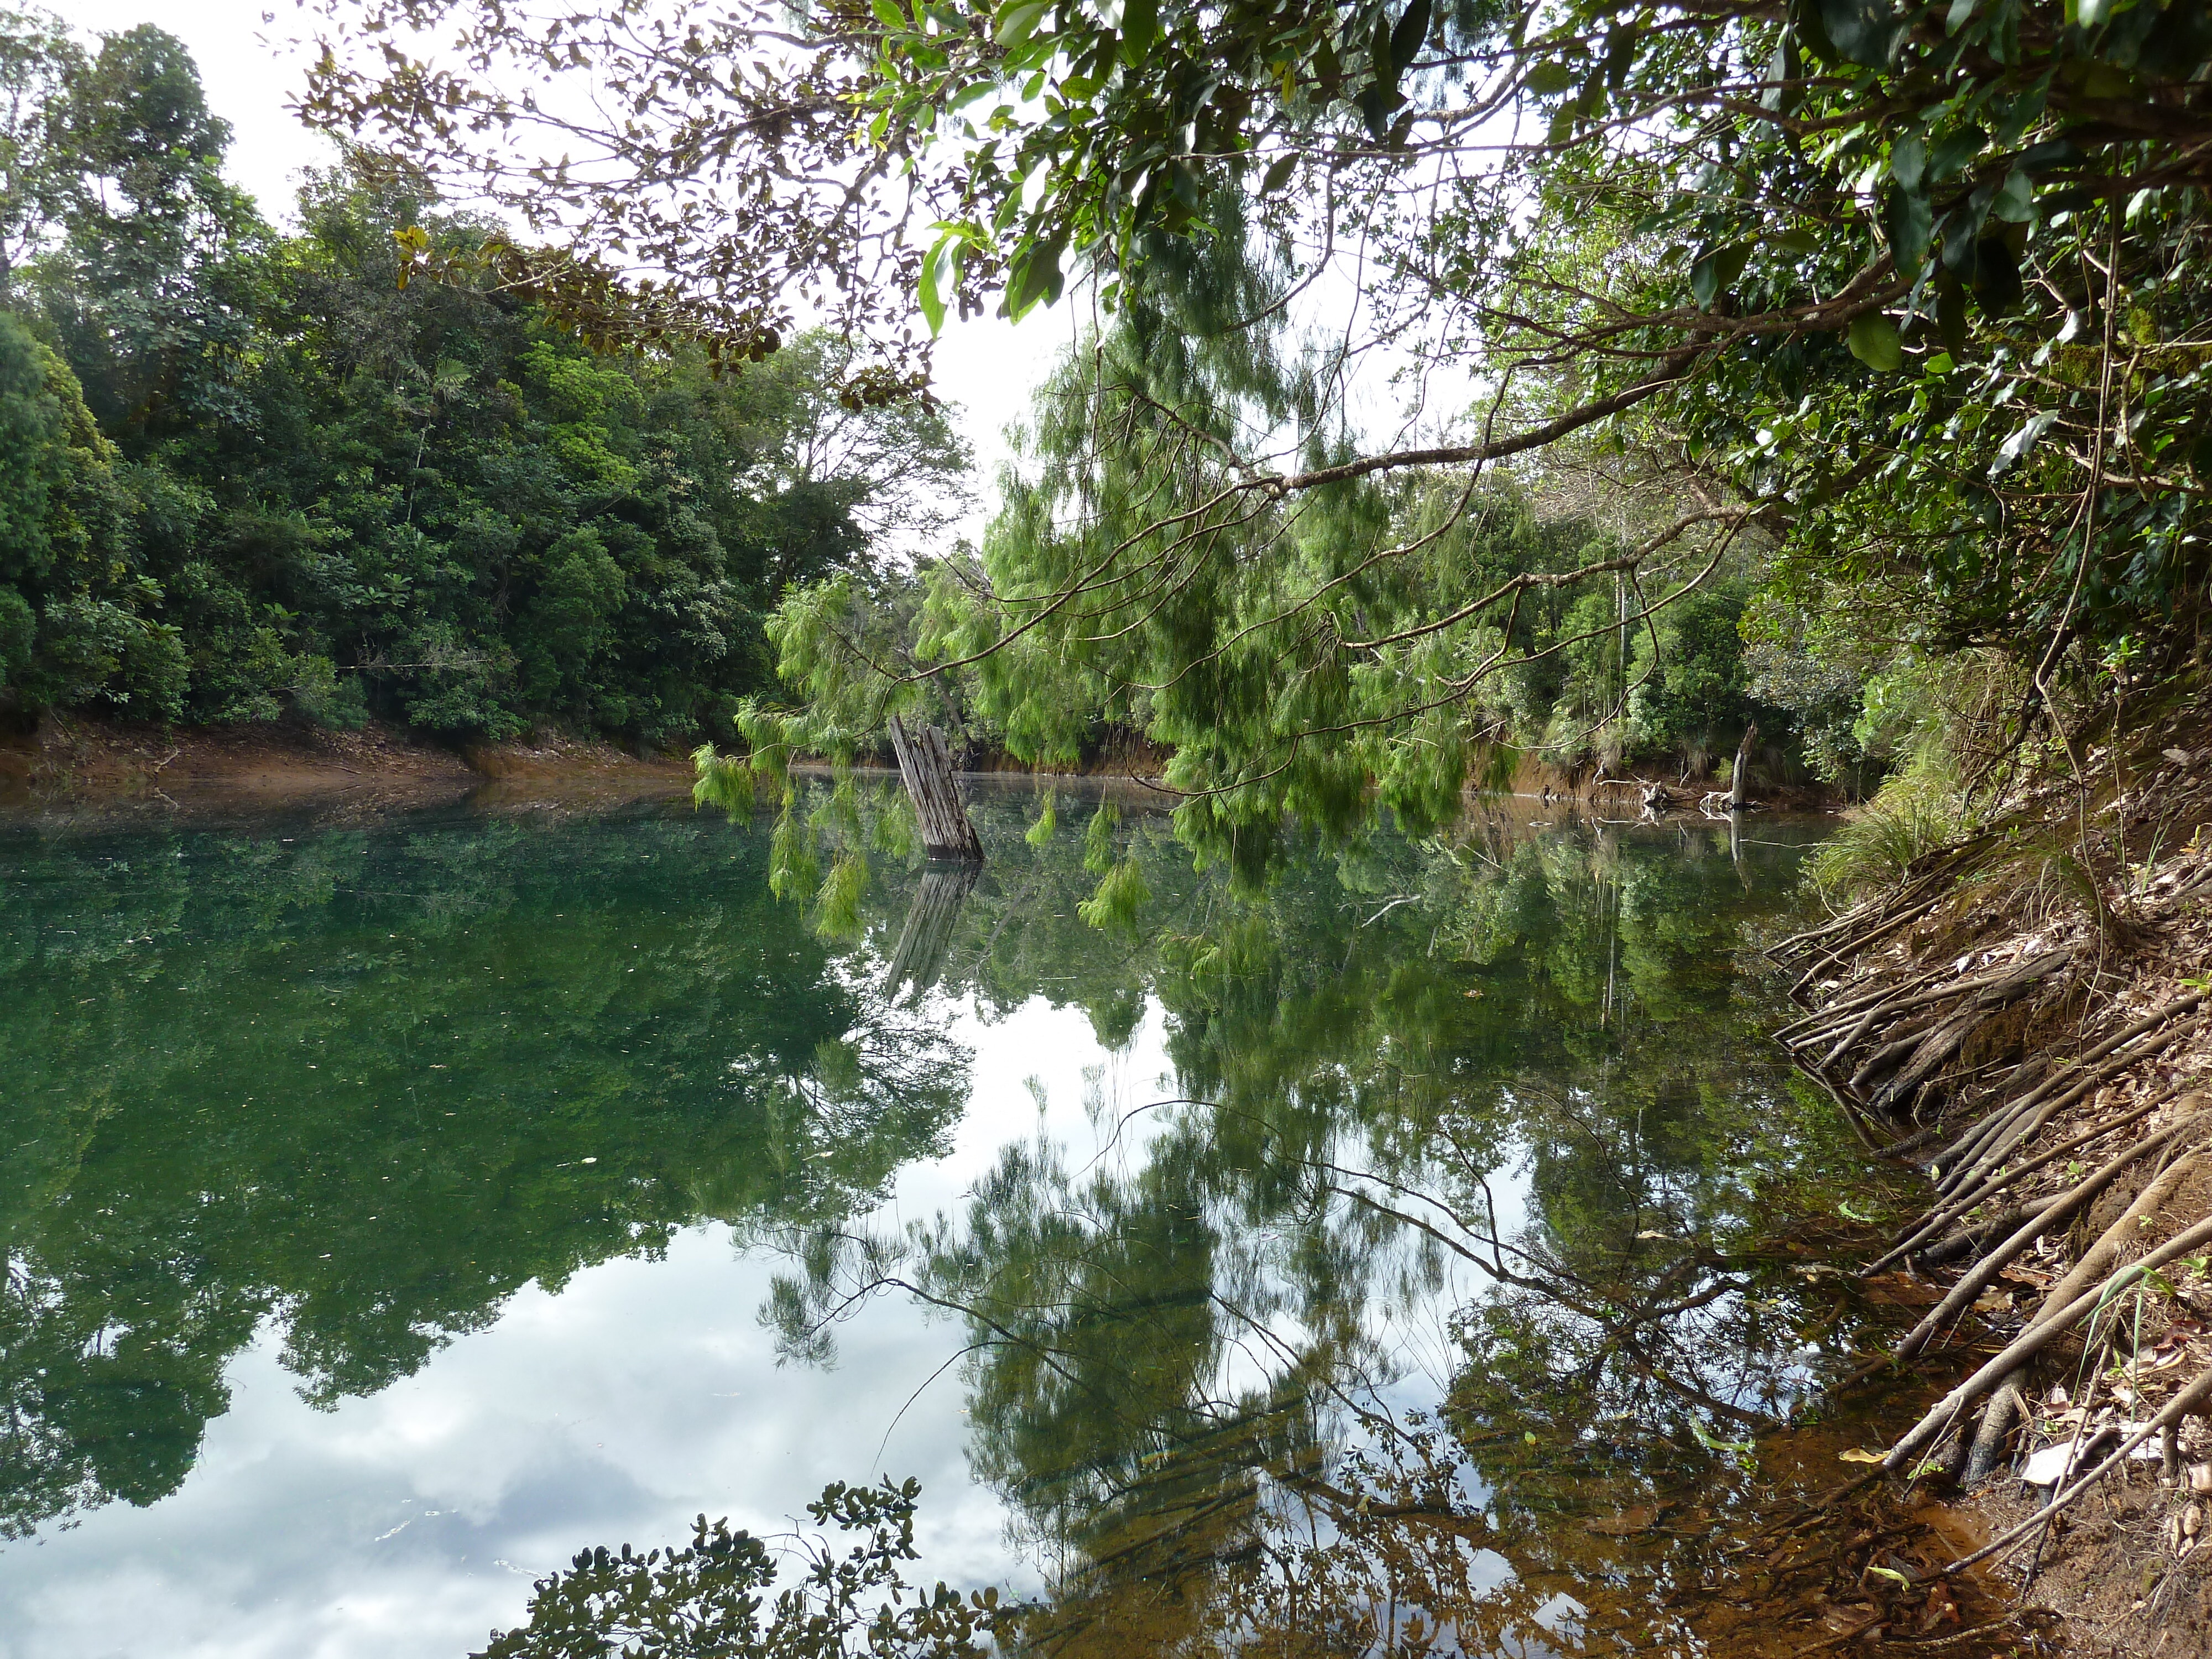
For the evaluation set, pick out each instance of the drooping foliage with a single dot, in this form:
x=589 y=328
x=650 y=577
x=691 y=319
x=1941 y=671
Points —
x=262 y=473
x=1897 y=299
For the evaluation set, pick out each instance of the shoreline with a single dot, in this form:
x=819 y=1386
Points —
x=2020 y=1025
x=69 y=766
x=71 y=762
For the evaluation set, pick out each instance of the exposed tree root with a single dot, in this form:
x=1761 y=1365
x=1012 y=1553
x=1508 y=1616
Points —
x=2190 y=1399
x=1998 y=1029
x=1983 y=1273
x=1934 y=1220
x=2005 y=1405
x=2031 y=1342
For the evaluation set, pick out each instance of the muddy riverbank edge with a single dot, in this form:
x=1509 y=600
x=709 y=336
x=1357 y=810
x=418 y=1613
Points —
x=61 y=759
x=64 y=759
x=2021 y=1023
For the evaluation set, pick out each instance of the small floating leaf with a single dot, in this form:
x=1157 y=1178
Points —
x=1853 y=1455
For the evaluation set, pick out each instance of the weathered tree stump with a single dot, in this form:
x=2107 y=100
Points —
x=1737 y=801
x=925 y=767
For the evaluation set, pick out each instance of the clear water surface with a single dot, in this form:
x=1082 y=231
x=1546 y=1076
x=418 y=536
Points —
x=392 y=1208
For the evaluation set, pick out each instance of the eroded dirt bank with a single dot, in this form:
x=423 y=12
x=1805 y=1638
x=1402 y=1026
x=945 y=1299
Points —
x=2022 y=1024
x=65 y=763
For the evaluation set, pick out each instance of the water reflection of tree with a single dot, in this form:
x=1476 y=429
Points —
x=1188 y=1372
x=366 y=1085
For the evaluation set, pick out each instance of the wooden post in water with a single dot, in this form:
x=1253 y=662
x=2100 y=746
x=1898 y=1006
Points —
x=1742 y=767
x=926 y=768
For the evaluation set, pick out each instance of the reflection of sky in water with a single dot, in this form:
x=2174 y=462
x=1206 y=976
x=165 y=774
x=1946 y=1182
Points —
x=411 y=1521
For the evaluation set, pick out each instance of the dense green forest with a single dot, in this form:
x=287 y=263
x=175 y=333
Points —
x=1876 y=324
x=347 y=469
x=249 y=474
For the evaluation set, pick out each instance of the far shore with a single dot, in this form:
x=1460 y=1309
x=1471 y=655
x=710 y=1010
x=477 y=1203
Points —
x=69 y=763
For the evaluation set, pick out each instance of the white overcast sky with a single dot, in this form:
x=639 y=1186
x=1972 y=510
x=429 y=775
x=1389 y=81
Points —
x=985 y=367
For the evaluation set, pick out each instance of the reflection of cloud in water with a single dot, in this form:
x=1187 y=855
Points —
x=642 y=1394
x=1250 y=1346
x=586 y=1416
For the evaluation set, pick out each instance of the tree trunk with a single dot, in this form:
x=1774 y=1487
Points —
x=1736 y=779
x=926 y=768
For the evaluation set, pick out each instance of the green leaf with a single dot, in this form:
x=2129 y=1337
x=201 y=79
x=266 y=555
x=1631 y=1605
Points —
x=1712 y=1442
x=1551 y=76
x=2016 y=116
x=1874 y=342
x=1278 y=175
x=1140 y=28
x=1715 y=272
x=1781 y=69
x=1951 y=312
x=2018 y=445
x=1998 y=285
x=1911 y=227
x=1407 y=39
x=1908 y=160
x=1381 y=98
x=1620 y=54
x=1952 y=151
x=1805 y=23
x=2051 y=153
x=1017 y=22
x=1037 y=275
x=1864 y=31
x=2016 y=202
x=931 y=291
x=890 y=16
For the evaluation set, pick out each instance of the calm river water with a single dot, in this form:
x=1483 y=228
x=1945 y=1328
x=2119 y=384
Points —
x=391 y=1209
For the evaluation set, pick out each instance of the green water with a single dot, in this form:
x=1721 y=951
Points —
x=392 y=1208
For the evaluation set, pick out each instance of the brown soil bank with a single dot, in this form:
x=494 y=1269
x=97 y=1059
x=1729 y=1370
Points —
x=1608 y=792
x=2024 y=1019
x=65 y=759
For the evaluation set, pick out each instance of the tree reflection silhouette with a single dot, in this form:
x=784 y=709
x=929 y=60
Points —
x=1449 y=1304
x=363 y=1085
x=1197 y=1371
